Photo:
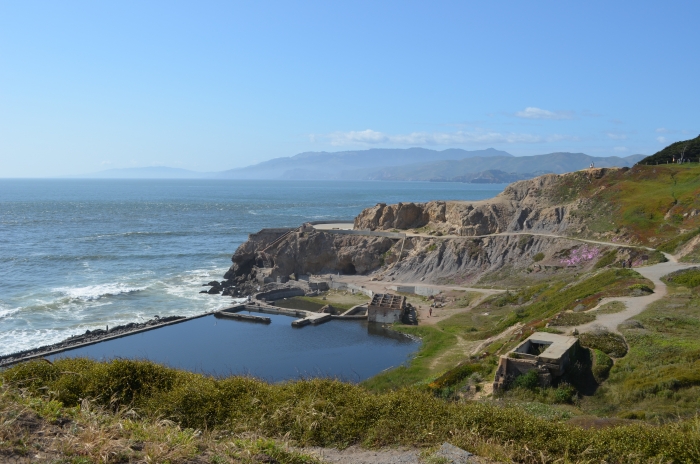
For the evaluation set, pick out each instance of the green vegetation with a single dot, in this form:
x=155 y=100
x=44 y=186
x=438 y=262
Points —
x=538 y=257
x=672 y=245
x=645 y=204
x=607 y=259
x=607 y=342
x=341 y=300
x=570 y=319
x=687 y=278
x=659 y=378
x=611 y=308
x=331 y=413
x=689 y=149
x=601 y=365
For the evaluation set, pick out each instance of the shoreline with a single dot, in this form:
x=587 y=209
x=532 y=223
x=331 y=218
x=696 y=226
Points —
x=91 y=337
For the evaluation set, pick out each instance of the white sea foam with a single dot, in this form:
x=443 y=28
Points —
x=95 y=292
x=7 y=311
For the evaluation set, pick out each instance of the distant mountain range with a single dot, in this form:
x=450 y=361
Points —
x=412 y=164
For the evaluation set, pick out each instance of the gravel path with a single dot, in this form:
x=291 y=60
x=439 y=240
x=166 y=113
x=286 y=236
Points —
x=635 y=305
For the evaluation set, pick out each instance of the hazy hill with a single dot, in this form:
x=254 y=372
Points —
x=527 y=166
x=324 y=165
x=692 y=152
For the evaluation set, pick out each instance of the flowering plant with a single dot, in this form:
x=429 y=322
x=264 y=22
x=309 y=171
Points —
x=581 y=255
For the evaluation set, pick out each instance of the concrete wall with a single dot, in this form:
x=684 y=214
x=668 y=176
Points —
x=421 y=290
x=273 y=295
x=357 y=288
x=384 y=316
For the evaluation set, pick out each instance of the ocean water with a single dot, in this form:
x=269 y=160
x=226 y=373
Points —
x=83 y=254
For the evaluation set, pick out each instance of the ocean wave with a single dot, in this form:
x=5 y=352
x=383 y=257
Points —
x=95 y=292
x=6 y=311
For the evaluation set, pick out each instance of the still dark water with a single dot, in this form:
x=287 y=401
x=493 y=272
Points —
x=350 y=350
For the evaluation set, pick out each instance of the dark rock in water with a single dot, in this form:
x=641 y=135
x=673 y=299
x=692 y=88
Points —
x=227 y=291
x=214 y=283
x=214 y=290
x=204 y=291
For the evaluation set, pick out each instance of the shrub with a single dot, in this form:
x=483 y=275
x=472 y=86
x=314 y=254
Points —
x=569 y=319
x=601 y=365
x=607 y=259
x=607 y=342
x=529 y=381
x=324 y=412
x=687 y=278
x=642 y=287
x=538 y=257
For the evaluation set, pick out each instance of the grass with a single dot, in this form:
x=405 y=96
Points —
x=689 y=278
x=36 y=427
x=325 y=412
x=342 y=300
x=607 y=342
x=659 y=378
x=611 y=307
x=570 y=319
x=646 y=204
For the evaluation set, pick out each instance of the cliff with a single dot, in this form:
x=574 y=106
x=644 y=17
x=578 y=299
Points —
x=457 y=241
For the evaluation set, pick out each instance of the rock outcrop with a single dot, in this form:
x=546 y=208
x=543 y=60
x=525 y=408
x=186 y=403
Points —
x=540 y=206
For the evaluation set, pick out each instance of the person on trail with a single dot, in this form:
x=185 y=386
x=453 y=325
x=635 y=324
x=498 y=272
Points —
x=430 y=312
x=624 y=264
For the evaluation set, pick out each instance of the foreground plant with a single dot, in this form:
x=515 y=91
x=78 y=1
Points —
x=140 y=396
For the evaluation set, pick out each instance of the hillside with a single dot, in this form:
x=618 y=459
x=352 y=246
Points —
x=688 y=149
x=324 y=165
x=525 y=166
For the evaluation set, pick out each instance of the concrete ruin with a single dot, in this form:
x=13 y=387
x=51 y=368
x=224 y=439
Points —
x=547 y=353
x=386 y=308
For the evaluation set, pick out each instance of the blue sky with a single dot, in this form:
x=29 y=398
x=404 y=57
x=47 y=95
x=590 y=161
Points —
x=206 y=85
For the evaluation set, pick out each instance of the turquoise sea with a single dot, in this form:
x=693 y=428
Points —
x=83 y=254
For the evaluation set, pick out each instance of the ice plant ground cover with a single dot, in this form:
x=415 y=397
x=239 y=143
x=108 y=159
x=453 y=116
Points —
x=581 y=255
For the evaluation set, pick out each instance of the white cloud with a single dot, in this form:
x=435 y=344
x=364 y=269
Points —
x=371 y=137
x=662 y=130
x=620 y=149
x=616 y=135
x=532 y=112
x=661 y=139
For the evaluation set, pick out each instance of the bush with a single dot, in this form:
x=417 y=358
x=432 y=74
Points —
x=687 y=278
x=642 y=287
x=528 y=381
x=569 y=319
x=601 y=365
x=538 y=257
x=609 y=343
x=324 y=412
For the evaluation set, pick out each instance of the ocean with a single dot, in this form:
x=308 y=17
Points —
x=84 y=254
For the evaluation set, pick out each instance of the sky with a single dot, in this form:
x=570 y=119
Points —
x=208 y=86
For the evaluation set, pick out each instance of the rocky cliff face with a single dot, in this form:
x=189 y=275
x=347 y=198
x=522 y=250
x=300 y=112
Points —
x=540 y=205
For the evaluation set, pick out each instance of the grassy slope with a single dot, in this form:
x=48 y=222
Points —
x=541 y=303
x=331 y=413
x=659 y=378
x=645 y=204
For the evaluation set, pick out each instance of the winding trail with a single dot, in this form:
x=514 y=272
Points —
x=635 y=305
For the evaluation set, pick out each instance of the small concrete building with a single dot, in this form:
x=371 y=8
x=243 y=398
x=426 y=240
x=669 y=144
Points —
x=547 y=353
x=386 y=308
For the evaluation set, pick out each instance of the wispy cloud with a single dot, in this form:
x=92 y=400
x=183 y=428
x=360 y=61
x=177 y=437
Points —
x=620 y=149
x=532 y=112
x=372 y=137
x=616 y=135
x=661 y=139
x=662 y=130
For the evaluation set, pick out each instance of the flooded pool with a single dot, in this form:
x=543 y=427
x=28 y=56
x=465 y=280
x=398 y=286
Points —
x=350 y=350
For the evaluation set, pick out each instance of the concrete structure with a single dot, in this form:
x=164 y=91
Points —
x=386 y=308
x=548 y=354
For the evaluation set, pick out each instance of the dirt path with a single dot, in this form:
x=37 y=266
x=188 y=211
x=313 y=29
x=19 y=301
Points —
x=635 y=305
